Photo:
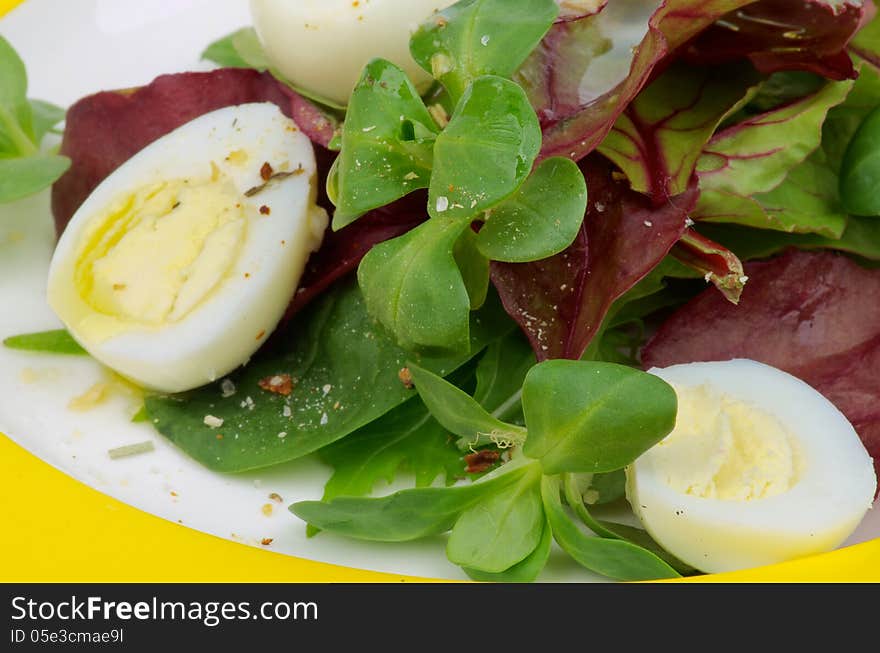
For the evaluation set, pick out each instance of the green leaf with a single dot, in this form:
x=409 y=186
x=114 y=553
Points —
x=44 y=117
x=223 y=51
x=387 y=141
x=598 y=489
x=459 y=412
x=26 y=176
x=50 y=342
x=541 y=219
x=642 y=539
x=754 y=156
x=861 y=238
x=481 y=37
x=413 y=287
x=807 y=201
x=405 y=438
x=500 y=376
x=13 y=83
x=502 y=529
x=525 y=571
x=346 y=370
x=844 y=120
x=485 y=152
x=611 y=557
x=860 y=173
x=249 y=48
x=405 y=515
x=473 y=266
x=656 y=142
x=593 y=417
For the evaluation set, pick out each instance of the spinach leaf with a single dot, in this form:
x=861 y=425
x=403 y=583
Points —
x=860 y=173
x=413 y=287
x=21 y=177
x=346 y=371
x=387 y=141
x=525 y=571
x=405 y=515
x=541 y=219
x=50 y=342
x=485 y=152
x=593 y=417
x=610 y=557
x=481 y=37
x=502 y=529
x=460 y=413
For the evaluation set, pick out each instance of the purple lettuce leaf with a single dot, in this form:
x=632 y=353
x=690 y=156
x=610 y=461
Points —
x=581 y=79
x=560 y=302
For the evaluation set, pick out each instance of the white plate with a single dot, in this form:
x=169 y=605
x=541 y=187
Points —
x=72 y=49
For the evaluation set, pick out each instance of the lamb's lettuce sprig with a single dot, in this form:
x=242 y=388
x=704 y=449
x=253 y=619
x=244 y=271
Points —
x=477 y=164
x=500 y=526
x=24 y=168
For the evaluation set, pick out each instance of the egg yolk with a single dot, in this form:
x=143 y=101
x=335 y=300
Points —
x=726 y=449
x=156 y=253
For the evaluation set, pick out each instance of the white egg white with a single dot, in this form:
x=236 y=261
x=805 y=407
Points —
x=834 y=489
x=224 y=330
x=322 y=46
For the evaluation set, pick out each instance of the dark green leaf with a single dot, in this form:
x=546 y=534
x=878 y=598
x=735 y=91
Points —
x=611 y=557
x=641 y=538
x=413 y=287
x=51 y=342
x=347 y=376
x=522 y=572
x=541 y=219
x=593 y=417
x=459 y=412
x=405 y=515
x=502 y=529
x=387 y=141
x=485 y=152
x=28 y=175
x=860 y=173
x=481 y=37
x=844 y=119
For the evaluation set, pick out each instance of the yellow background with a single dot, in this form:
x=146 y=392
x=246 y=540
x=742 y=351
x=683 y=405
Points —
x=56 y=529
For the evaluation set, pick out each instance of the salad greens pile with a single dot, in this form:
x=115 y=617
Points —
x=24 y=168
x=559 y=177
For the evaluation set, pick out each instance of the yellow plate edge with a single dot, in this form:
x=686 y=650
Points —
x=57 y=529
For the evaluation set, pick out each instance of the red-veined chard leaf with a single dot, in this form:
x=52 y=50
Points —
x=717 y=263
x=659 y=137
x=587 y=71
x=560 y=302
x=104 y=130
x=805 y=313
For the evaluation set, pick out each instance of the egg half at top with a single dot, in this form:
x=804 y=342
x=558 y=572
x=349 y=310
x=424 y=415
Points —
x=178 y=266
x=322 y=46
x=759 y=469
